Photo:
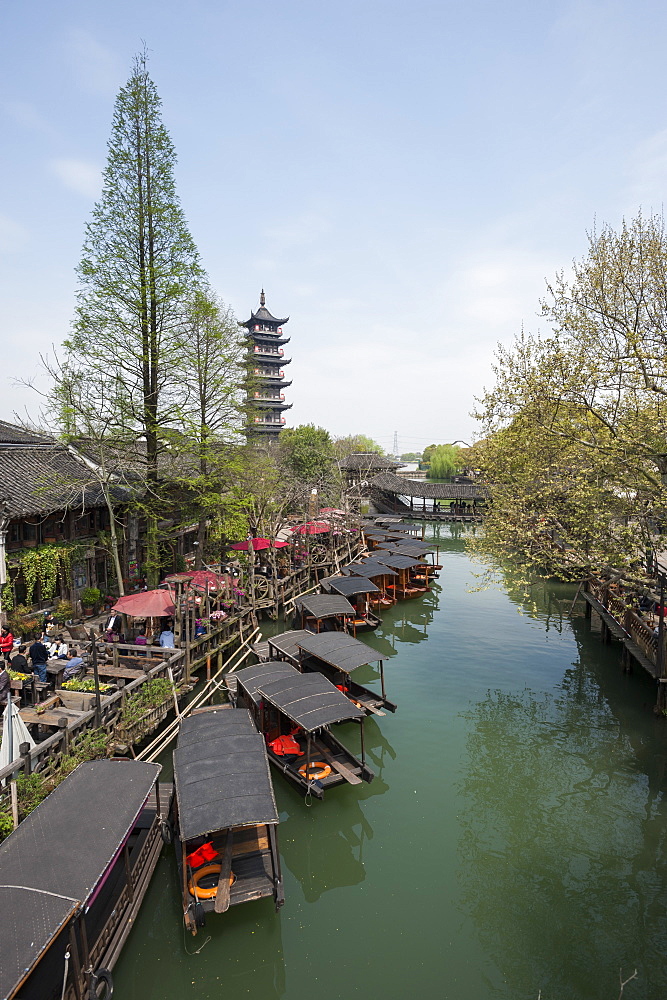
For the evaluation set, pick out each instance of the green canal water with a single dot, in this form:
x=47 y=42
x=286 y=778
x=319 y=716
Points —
x=513 y=841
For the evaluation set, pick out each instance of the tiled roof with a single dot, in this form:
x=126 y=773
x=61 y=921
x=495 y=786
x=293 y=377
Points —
x=11 y=434
x=367 y=461
x=389 y=483
x=40 y=478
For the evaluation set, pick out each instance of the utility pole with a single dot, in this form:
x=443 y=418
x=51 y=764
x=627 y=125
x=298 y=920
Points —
x=395 y=444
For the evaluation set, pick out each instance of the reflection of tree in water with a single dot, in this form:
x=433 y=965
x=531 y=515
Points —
x=323 y=846
x=326 y=852
x=563 y=861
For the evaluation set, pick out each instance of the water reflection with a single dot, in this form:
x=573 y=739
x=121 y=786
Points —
x=563 y=853
x=324 y=849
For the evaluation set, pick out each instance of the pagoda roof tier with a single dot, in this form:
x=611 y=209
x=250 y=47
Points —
x=272 y=404
x=266 y=360
x=263 y=315
x=268 y=335
x=270 y=380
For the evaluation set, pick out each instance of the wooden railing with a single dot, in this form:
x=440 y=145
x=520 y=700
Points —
x=636 y=629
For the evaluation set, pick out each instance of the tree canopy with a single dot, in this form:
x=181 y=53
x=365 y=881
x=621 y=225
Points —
x=307 y=451
x=575 y=426
x=353 y=443
x=445 y=460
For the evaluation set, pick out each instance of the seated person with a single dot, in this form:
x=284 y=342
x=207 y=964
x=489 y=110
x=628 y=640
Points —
x=74 y=666
x=140 y=639
x=5 y=687
x=19 y=662
x=63 y=649
x=167 y=639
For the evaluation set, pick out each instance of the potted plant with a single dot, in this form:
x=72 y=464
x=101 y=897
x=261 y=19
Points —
x=90 y=598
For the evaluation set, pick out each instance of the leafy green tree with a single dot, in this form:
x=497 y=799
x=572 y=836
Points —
x=210 y=416
x=445 y=459
x=411 y=456
x=307 y=451
x=353 y=443
x=576 y=423
x=138 y=269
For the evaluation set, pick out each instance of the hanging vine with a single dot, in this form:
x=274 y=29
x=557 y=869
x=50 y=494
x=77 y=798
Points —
x=7 y=598
x=43 y=564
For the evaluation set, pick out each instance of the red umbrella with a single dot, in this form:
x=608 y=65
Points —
x=146 y=604
x=313 y=528
x=255 y=543
x=203 y=577
x=279 y=545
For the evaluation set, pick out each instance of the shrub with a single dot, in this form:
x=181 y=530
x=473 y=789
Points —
x=90 y=597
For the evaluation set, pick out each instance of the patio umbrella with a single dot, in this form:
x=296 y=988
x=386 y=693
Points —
x=279 y=545
x=146 y=604
x=20 y=735
x=313 y=528
x=255 y=543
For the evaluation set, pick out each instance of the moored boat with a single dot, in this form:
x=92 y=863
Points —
x=294 y=712
x=225 y=815
x=73 y=876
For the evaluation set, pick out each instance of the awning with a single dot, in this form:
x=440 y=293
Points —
x=309 y=700
x=52 y=863
x=396 y=561
x=325 y=605
x=146 y=604
x=370 y=568
x=288 y=642
x=221 y=773
x=340 y=650
x=251 y=678
x=348 y=586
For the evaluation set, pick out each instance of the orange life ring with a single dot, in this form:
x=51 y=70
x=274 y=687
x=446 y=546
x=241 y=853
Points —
x=198 y=891
x=323 y=772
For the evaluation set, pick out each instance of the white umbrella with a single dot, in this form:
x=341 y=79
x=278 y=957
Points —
x=19 y=735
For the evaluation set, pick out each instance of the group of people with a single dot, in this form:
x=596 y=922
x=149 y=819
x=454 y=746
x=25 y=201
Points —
x=34 y=659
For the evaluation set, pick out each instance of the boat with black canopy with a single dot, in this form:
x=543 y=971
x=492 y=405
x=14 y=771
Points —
x=323 y=612
x=337 y=655
x=225 y=816
x=73 y=876
x=294 y=712
x=408 y=584
x=378 y=574
x=358 y=591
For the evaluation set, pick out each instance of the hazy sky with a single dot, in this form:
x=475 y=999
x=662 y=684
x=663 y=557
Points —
x=400 y=177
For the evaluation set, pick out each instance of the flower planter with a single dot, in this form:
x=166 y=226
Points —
x=145 y=724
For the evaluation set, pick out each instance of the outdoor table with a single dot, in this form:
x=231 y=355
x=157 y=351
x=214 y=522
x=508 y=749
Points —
x=56 y=668
x=125 y=672
x=49 y=718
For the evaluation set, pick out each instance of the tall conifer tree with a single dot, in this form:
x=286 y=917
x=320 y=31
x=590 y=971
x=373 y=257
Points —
x=138 y=269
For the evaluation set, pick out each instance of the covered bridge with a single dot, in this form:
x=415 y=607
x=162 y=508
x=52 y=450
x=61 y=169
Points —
x=392 y=494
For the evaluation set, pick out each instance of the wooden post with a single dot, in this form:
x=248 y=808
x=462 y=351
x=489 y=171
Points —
x=98 y=698
x=24 y=750
x=62 y=726
x=15 y=803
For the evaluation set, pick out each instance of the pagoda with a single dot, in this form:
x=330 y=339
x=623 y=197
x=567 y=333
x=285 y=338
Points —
x=267 y=396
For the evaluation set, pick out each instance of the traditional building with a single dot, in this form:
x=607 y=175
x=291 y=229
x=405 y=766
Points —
x=267 y=399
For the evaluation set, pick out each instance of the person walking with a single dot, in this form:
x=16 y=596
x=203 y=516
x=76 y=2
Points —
x=39 y=655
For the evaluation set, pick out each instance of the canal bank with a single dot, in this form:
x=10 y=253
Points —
x=512 y=841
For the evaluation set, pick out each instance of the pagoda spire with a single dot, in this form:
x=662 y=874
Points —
x=262 y=298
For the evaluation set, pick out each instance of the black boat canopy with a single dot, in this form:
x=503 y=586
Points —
x=309 y=700
x=408 y=548
x=251 y=678
x=340 y=650
x=51 y=864
x=221 y=773
x=348 y=585
x=325 y=605
x=288 y=642
x=368 y=568
x=395 y=561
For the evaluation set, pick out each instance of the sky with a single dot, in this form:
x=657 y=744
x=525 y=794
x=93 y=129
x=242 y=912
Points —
x=400 y=176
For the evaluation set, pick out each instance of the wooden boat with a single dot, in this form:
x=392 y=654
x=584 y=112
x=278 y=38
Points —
x=337 y=655
x=294 y=712
x=323 y=612
x=225 y=816
x=405 y=586
x=377 y=573
x=358 y=590
x=73 y=876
